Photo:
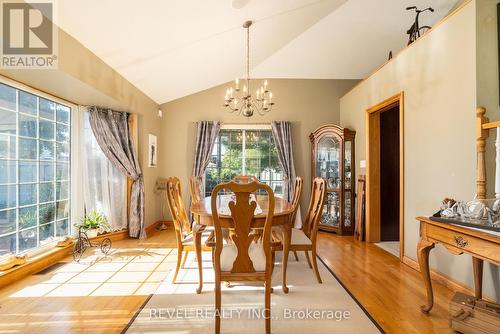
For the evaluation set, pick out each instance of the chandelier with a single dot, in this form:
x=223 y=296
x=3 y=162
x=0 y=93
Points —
x=242 y=102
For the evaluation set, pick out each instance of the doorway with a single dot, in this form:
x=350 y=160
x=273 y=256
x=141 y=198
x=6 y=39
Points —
x=384 y=175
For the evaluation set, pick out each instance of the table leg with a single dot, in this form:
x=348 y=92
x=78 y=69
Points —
x=478 y=277
x=287 y=236
x=197 y=231
x=423 y=250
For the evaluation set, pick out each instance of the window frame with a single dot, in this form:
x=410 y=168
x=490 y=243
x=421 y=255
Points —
x=244 y=127
x=75 y=182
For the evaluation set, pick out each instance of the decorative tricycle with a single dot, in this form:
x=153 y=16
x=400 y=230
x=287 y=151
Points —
x=83 y=242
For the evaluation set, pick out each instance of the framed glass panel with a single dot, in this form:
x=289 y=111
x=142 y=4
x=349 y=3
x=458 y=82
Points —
x=62 y=209
x=28 y=217
x=47 y=109
x=63 y=114
x=8 y=195
x=62 y=228
x=46 y=192
x=62 y=190
x=46 y=130
x=28 y=239
x=7 y=146
x=46 y=150
x=47 y=213
x=28 y=103
x=7 y=97
x=46 y=233
x=28 y=171
x=8 y=244
x=27 y=126
x=28 y=149
x=62 y=151
x=8 y=221
x=62 y=133
x=28 y=194
x=8 y=171
x=8 y=122
x=347 y=169
x=47 y=171
x=62 y=171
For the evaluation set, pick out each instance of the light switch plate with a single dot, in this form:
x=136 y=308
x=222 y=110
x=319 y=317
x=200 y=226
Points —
x=362 y=164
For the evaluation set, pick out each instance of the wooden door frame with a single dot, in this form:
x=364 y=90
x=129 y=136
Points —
x=373 y=169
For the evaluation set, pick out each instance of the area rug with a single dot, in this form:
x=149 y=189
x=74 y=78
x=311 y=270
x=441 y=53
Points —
x=309 y=307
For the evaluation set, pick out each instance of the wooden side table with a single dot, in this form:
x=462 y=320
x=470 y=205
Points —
x=458 y=240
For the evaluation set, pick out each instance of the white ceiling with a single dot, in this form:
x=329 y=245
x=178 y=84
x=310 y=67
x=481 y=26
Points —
x=170 y=49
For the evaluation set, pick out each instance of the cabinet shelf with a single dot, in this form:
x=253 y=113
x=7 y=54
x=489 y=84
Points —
x=333 y=160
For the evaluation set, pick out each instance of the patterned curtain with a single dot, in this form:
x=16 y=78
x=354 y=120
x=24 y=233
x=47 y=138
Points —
x=112 y=133
x=282 y=134
x=205 y=139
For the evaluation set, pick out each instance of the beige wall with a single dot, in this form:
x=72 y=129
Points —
x=83 y=78
x=438 y=77
x=487 y=75
x=308 y=104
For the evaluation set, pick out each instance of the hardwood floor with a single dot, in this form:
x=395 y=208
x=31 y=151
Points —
x=102 y=294
x=98 y=295
x=389 y=290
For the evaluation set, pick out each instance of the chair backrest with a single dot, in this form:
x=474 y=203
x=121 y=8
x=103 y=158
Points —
x=195 y=188
x=243 y=179
x=177 y=208
x=318 y=193
x=297 y=192
x=242 y=210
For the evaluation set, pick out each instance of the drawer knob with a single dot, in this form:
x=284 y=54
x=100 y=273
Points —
x=461 y=242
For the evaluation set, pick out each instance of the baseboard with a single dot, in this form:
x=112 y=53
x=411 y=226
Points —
x=443 y=279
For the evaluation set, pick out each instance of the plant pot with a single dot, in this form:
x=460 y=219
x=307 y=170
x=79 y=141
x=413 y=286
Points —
x=91 y=233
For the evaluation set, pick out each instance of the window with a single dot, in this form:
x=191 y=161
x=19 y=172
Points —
x=34 y=170
x=244 y=152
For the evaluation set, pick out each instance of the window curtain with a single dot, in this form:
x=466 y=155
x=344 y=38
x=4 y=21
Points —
x=282 y=134
x=105 y=187
x=205 y=138
x=112 y=133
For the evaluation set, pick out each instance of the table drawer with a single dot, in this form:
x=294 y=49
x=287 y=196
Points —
x=464 y=242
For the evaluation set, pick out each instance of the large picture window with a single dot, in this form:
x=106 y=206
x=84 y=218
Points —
x=244 y=152
x=35 y=136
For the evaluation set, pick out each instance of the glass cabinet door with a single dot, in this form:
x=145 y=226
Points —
x=327 y=161
x=327 y=166
x=348 y=191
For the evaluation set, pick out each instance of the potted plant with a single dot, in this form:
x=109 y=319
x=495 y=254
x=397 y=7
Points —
x=94 y=223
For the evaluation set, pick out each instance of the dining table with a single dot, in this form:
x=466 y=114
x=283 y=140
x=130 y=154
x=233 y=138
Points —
x=283 y=212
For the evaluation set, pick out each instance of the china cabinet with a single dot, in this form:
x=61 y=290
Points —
x=333 y=160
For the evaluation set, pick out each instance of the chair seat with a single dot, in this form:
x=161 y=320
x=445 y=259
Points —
x=255 y=251
x=298 y=237
x=189 y=239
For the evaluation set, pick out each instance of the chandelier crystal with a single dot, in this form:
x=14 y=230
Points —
x=240 y=101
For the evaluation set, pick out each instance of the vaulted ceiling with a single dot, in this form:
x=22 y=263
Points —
x=170 y=49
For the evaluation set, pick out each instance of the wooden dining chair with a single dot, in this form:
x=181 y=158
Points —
x=304 y=239
x=185 y=236
x=195 y=188
x=245 y=179
x=297 y=193
x=242 y=260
